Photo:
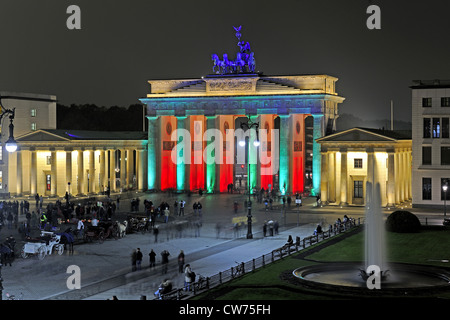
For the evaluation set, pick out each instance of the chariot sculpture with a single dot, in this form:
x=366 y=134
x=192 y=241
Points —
x=243 y=63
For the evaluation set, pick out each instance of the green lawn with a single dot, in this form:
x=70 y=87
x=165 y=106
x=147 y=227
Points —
x=426 y=247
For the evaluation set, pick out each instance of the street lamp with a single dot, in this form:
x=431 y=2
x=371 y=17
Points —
x=249 y=124
x=445 y=188
x=11 y=144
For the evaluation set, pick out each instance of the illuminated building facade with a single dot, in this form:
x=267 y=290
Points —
x=353 y=157
x=279 y=104
x=51 y=162
x=431 y=142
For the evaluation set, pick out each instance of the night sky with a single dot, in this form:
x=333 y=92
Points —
x=122 y=44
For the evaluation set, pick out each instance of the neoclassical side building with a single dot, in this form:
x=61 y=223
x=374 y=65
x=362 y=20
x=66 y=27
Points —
x=353 y=157
x=51 y=162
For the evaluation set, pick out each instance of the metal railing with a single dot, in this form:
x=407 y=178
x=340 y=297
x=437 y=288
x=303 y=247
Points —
x=242 y=268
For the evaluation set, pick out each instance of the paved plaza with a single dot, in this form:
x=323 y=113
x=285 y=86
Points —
x=106 y=268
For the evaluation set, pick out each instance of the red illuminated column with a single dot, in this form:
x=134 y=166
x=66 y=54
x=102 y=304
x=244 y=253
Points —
x=298 y=153
x=195 y=173
x=266 y=163
x=168 y=168
x=225 y=168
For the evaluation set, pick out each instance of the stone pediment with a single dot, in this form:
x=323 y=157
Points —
x=355 y=135
x=41 y=136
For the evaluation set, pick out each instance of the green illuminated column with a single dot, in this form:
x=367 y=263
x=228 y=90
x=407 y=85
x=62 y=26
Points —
x=252 y=168
x=318 y=131
x=152 y=145
x=210 y=157
x=181 y=150
x=285 y=148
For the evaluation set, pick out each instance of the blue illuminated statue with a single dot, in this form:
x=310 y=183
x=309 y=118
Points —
x=244 y=62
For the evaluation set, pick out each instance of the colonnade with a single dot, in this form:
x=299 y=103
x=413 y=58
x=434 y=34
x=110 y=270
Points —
x=78 y=171
x=345 y=172
x=203 y=152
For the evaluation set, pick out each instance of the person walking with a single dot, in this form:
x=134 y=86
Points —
x=181 y=262
x=138 y=259
x=152 y=257
x=188 y=277
x=165 y=261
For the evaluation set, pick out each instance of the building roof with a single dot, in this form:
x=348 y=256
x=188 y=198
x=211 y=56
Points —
x=358 y=134
x=430 y=84
x=77 y=135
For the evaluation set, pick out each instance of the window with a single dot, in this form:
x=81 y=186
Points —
x=445 y=195
x=357 y=163
x=436 y=127
x=33 y=113
x=426 y=188
x=445 y=128
x=426 y=155
x=445 y=102
x=427 y=102
x=426 y=127
x=445 y=156
x=48 y=179
x=33 y=126
x=358 y=191
x=49 y=160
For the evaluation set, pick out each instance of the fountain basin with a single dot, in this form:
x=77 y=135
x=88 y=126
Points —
x=345 y=277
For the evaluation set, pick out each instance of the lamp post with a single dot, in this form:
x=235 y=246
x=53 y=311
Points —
x=10 y=144
x=249 y=124
x=445 y=188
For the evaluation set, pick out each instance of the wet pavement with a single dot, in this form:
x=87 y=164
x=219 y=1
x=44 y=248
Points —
x=106 y=269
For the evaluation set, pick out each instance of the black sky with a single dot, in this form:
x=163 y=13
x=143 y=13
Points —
x=122 y=44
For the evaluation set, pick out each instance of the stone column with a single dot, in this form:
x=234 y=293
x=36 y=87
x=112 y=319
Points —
x=211 y=156
x=80 y=180
x=102 y=176
x=318 y=132
x=391 y=179
x=122 y=169
x=130 y=168
x=54 y=190
x=91 y=172
x=332 y=176
x=19 y=173
x=33 y=173
x=183 y=152
x=112 y=170
x=285 y=148
x=140 y=155
x=153 y=165
x=344 y=180
x=69 y=170
x=324 y=178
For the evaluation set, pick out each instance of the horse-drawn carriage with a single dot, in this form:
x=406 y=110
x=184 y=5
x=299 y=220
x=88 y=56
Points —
x=102 y=231
x=43 y=245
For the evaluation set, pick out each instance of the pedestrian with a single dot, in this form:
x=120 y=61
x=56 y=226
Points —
x=181 y=262
x=165 y=260
x=188 y=277
x=138 y=259
x=133 y=260
x=166 y=215
x=152 y=258
x=194 y=206
x=182 y=203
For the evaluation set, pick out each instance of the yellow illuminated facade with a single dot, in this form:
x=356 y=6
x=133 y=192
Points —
x=353 y=157
x=53 y=162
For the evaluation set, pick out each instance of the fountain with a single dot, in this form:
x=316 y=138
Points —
x=354 y=277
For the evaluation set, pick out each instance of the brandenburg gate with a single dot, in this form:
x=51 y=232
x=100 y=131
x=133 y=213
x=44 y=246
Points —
x=208 y=108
